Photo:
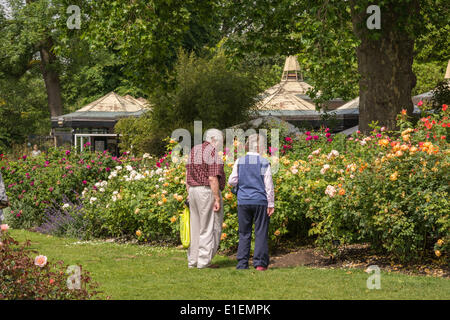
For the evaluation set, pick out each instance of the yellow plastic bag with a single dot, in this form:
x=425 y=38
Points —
x=185 y=228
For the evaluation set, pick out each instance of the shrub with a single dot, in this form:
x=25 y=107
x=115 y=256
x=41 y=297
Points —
x=66 y=220
x=22 y=279
x=34 y=183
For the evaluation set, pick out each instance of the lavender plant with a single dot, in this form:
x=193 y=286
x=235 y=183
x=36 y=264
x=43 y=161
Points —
x=65 y=220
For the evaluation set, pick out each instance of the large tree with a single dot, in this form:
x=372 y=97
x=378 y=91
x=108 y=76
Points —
x=27 y=38
x=335 y=35
x=146 y=35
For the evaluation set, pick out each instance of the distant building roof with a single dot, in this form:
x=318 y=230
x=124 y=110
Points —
x=112 y=102
x=107 y=110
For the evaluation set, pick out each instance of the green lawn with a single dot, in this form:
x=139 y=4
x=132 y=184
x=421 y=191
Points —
x=126 y=271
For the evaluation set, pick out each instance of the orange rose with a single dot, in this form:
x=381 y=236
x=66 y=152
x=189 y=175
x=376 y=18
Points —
x=223 y=236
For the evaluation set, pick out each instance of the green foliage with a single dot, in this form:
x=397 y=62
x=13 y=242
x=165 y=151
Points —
x=147 y=35
x=23 y=110
x=428 y=74
x=206 y=89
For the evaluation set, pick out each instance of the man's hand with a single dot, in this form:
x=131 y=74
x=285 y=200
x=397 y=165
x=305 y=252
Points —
x=270 y=211
x=216 y=205
x=214 y=184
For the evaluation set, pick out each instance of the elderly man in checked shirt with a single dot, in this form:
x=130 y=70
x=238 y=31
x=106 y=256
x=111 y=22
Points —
x=3 y=197
x=205 y=179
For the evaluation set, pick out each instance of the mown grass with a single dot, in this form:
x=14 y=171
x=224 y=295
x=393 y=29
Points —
x=128 y=271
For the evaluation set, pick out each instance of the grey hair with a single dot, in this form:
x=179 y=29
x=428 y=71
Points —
x=213 y=133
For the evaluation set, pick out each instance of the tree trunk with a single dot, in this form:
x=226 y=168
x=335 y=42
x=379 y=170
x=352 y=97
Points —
x=51 y=78
x=385 y=66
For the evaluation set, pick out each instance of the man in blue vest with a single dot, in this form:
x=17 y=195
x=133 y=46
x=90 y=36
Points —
x=255 y=195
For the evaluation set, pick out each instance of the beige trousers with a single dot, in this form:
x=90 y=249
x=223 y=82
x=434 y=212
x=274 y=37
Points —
x=206 y=226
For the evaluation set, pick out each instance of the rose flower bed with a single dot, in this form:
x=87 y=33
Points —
x=388 y=189
x=23 y=277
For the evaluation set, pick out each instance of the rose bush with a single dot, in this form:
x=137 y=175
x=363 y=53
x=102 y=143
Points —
x=33 y=183
x=23 y=277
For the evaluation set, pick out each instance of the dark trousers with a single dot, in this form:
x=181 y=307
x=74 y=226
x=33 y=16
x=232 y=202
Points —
x=246 y=215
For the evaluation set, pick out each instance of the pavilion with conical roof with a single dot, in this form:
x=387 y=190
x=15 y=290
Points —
x=94 y=123
x=289 y=99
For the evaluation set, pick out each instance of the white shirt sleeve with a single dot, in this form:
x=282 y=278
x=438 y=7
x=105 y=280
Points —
x=268 y=182
x=234 y=177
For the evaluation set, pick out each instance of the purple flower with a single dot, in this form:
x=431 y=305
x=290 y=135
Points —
x=308 y=133
x=315 y=137
x=84 y=182
x=308 y=138
x=67 y=152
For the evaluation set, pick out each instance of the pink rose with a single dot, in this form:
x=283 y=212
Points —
x=40 y=261
x=4 y=227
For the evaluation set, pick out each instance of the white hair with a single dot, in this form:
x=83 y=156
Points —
x=213 y=133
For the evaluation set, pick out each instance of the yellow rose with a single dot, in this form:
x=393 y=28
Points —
x=440 y=242
x=394 y=176
x=437 y=253
x=139 y=233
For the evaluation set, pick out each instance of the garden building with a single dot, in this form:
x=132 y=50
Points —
x=93 y=125
x=289 y=99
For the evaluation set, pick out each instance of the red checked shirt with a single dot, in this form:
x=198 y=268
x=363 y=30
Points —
x=204 y=163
